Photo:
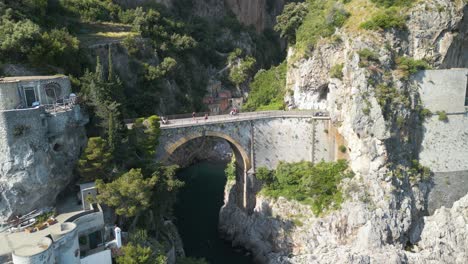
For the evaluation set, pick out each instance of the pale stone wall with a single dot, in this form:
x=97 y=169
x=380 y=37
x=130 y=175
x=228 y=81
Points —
x=289 y=140
x=444 y=150
x=292 y=140
x=443 y=90
x=445 y=144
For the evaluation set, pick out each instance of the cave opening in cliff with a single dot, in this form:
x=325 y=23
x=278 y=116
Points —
x=323 y=91
x=197 y=210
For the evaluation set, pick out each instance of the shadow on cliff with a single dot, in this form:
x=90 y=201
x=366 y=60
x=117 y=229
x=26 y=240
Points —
x=257 y=230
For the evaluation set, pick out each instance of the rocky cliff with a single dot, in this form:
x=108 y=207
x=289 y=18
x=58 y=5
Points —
x=381 y=220
x=37 y=157
x=258 y=13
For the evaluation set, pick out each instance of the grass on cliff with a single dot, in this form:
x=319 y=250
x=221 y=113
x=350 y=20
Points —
x=315 y=185
x=322 y=19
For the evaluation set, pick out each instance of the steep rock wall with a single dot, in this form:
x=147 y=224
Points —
x=258 y=13
x=36 y=163
x=383 y=210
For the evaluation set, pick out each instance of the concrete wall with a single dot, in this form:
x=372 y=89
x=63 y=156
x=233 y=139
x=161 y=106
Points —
x=103 y=257
x=41 y=253
x=444 y=149
x=443 y=90
x=9 y=95
x=90 y=223
x=66 y=247
x=444 y=146
x=291 y=140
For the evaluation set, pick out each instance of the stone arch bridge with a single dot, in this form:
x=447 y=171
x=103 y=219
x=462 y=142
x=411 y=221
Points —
x=257 y=139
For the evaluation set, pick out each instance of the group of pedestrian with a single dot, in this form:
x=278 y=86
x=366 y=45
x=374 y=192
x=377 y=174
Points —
x=234 y=111
x=194 y=114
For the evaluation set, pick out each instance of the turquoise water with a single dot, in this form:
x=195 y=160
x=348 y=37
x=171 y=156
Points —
x=197 y=212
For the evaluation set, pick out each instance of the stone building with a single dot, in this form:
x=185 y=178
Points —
x=28 y=91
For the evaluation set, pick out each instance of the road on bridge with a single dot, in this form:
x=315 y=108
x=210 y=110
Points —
x=216 y=119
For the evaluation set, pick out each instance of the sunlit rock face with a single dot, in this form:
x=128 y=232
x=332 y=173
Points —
x=384 y=217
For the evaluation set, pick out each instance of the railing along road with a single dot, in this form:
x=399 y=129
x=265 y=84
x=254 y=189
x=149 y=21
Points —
x=200 y=120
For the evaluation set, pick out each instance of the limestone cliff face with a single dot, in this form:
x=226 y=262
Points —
x=38 y=153
x=259 y=13
x=382 y=212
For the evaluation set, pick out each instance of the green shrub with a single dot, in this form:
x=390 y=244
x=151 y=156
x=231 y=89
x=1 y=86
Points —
x=386 y=19
x=366 y=110
x=321 y=20
x=408 y=66
x=385 y=94
x=315 y=185
x=20 y=130
x=366 y=56
x=342 y=148
x=337 y=71
x=265 y=175
x=290 y=19
x=417 y=169
x=389 y=3
x=230 y=170
x=400 y=121
x=92 y=10
x=442 y=116
x=267 y=89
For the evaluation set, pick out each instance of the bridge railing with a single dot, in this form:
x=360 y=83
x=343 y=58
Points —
x=200 y=120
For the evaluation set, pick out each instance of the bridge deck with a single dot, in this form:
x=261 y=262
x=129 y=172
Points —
x=217 y=119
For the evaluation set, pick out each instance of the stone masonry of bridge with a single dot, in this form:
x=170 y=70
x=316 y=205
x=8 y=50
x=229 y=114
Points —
x=259 y=140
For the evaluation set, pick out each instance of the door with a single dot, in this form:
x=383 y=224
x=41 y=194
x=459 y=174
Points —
x=30 y=96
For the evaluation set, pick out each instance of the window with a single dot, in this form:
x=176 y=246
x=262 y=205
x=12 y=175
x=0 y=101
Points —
x=53 y=92
x=30 y=96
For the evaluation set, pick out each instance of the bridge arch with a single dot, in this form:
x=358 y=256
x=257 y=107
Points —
x=238 y=150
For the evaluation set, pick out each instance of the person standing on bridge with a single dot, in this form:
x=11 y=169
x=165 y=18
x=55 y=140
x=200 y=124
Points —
x=206 y=117
x=193 y=115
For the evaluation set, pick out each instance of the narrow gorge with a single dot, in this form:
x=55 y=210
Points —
x=234 y=131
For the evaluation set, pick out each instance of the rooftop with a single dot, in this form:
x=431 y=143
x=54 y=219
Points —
x=29 y=78
x=9 y=242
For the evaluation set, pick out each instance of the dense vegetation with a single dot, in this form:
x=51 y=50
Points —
x=268 y=89
x=171 y=52
x=316 y=185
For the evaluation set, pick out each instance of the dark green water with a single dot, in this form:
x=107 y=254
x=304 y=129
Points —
x=197 y=211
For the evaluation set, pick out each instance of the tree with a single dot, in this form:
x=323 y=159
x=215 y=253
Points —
x=267 y=89
x=240 y=72
x=137 y=254
x=144 y=137
x=154 y=73
x=56 y=47
x=17 y=38
x=129 y=194
x=95 y=162
x=290 y=19
x=142 y=249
